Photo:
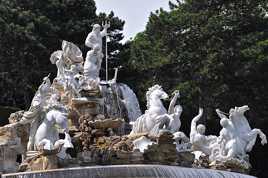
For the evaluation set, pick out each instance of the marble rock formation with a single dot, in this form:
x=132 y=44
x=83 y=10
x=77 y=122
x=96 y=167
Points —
x=165 y=152
x=13 y=142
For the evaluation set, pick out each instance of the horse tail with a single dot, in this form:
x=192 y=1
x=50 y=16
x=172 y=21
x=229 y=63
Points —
x=139 y=126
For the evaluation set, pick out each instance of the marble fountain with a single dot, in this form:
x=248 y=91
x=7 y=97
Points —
x=80 y=126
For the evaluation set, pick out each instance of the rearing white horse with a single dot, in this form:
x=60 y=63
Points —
x=155 y=117
x=247 y=135
x=236 y=138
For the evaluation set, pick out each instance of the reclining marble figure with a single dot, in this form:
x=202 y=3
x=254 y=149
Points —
x=200 y=142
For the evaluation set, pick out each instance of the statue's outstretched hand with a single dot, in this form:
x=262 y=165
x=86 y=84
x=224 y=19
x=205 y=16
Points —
x=220 y=114
x=176 y=93
x=196 y=118
x=106 y=25
x=200 y=112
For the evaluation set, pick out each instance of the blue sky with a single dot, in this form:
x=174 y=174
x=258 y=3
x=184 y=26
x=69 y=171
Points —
x=134 y=12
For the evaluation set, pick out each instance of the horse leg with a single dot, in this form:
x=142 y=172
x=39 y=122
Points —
x=162 y=120
x=262 y=136
x=253 y=136
x=158 y=124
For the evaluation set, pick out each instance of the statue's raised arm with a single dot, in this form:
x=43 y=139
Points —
x=173 y=102
x=221 y=114
x=194 y=122
x=105 y=26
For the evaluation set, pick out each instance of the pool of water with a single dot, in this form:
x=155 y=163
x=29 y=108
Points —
x=128 y=171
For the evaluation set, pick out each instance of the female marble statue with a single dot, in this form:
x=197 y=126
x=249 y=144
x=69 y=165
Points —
x=72 y=77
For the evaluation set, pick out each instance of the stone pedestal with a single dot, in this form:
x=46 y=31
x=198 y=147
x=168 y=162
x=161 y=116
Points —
x=165 y=152
x=10 y=148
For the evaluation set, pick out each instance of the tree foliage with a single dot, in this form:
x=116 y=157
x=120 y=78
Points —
x=214 y=51
x=31 y=30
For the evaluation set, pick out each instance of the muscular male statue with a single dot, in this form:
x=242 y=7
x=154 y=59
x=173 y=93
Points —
x=94 y=38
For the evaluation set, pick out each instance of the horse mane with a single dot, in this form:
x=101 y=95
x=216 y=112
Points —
x=240 y=122
x=149 y=92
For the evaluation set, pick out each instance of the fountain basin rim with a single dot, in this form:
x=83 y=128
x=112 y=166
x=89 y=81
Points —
x=128 y=166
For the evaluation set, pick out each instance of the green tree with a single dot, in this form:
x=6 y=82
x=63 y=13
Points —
x=213 y=51
x=31 y=30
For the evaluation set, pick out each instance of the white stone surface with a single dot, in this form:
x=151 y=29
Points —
x=142 y=143
x=182 y=142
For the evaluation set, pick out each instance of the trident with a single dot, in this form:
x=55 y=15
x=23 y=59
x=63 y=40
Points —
x=106 y=50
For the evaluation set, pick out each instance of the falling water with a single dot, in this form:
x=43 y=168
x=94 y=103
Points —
x=131 y=102
x=120 y=101
x=129 y=171
x=111 y=103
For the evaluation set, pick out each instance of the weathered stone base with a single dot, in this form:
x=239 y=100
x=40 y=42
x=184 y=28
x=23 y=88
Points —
x=121 y=152
x=12 y=144
x=232 y=165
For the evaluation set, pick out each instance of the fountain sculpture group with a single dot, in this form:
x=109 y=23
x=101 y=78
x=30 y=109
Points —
x=80 y=120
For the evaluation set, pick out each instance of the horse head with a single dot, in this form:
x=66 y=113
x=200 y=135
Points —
x=155 y=92
x=238 y=111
